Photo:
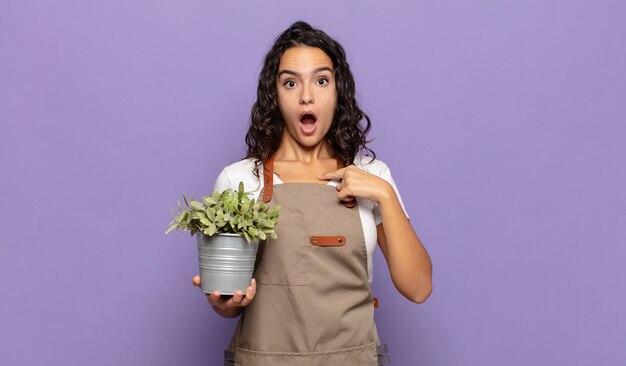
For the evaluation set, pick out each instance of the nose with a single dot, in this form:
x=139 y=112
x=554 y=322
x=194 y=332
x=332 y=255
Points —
x=306 y=97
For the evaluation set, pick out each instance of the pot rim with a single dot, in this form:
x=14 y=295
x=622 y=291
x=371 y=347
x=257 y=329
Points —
x=224 y=234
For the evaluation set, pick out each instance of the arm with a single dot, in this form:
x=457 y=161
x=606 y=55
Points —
x=408 y=261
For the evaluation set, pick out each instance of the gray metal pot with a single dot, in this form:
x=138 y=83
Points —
x=226 y=262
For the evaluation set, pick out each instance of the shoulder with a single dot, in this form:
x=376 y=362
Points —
x=376 y=166
x=241 y=167
x=240 y=171
x=380 y=169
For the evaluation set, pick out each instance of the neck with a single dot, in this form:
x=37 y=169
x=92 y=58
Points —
x=291 y=150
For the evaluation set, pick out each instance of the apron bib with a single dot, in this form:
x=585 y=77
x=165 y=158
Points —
x=313 y=304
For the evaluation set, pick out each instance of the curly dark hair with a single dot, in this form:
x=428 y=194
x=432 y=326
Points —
x=346 y=135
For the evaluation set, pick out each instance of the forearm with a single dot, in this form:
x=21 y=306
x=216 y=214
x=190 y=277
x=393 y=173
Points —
x=408 y=260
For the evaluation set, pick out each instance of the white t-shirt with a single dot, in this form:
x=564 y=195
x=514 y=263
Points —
x=243 y=171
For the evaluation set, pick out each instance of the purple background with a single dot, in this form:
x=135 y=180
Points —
x=504 y=124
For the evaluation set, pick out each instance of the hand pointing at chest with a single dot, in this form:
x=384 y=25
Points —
x=356 y=182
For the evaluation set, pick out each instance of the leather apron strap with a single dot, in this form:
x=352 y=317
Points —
x=268 y=181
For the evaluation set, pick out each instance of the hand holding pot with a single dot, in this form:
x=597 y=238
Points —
x=232 y=306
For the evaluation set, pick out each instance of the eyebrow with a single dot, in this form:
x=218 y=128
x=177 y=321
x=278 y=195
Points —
x=316 y=71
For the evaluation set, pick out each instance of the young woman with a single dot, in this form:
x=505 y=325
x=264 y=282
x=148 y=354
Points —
x=310 y=302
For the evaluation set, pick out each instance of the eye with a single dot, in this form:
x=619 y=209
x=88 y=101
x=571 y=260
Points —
x=289 y=84
x=322 y=82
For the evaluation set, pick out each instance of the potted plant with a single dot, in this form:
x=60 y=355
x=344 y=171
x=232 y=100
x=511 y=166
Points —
x=229 y=225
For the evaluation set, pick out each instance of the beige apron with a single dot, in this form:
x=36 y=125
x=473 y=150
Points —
x=313 y=304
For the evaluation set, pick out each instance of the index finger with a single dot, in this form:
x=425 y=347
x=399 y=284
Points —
x=339 y=173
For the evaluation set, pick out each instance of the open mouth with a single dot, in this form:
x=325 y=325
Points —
x=307 y=122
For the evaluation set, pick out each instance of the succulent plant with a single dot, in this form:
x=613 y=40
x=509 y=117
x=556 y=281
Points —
x=227 y=212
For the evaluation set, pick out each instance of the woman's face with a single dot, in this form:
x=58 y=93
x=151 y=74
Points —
x=307 y=94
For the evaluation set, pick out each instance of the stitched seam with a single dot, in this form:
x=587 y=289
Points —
x=311 y=354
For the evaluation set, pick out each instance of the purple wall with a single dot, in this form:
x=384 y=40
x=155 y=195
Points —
x=504 y=125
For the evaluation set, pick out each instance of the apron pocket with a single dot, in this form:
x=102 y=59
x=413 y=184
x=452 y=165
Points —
x=284 y=262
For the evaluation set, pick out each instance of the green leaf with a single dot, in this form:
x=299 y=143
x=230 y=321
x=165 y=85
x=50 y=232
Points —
x=241 y=193
x=173 y=227
x=197 y=205
x=210 y=213
x=209 y=200
x=266 y=224
x=212 y=229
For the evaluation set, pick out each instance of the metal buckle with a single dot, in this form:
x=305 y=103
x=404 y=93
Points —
x=383 y=358
x=229 y=358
